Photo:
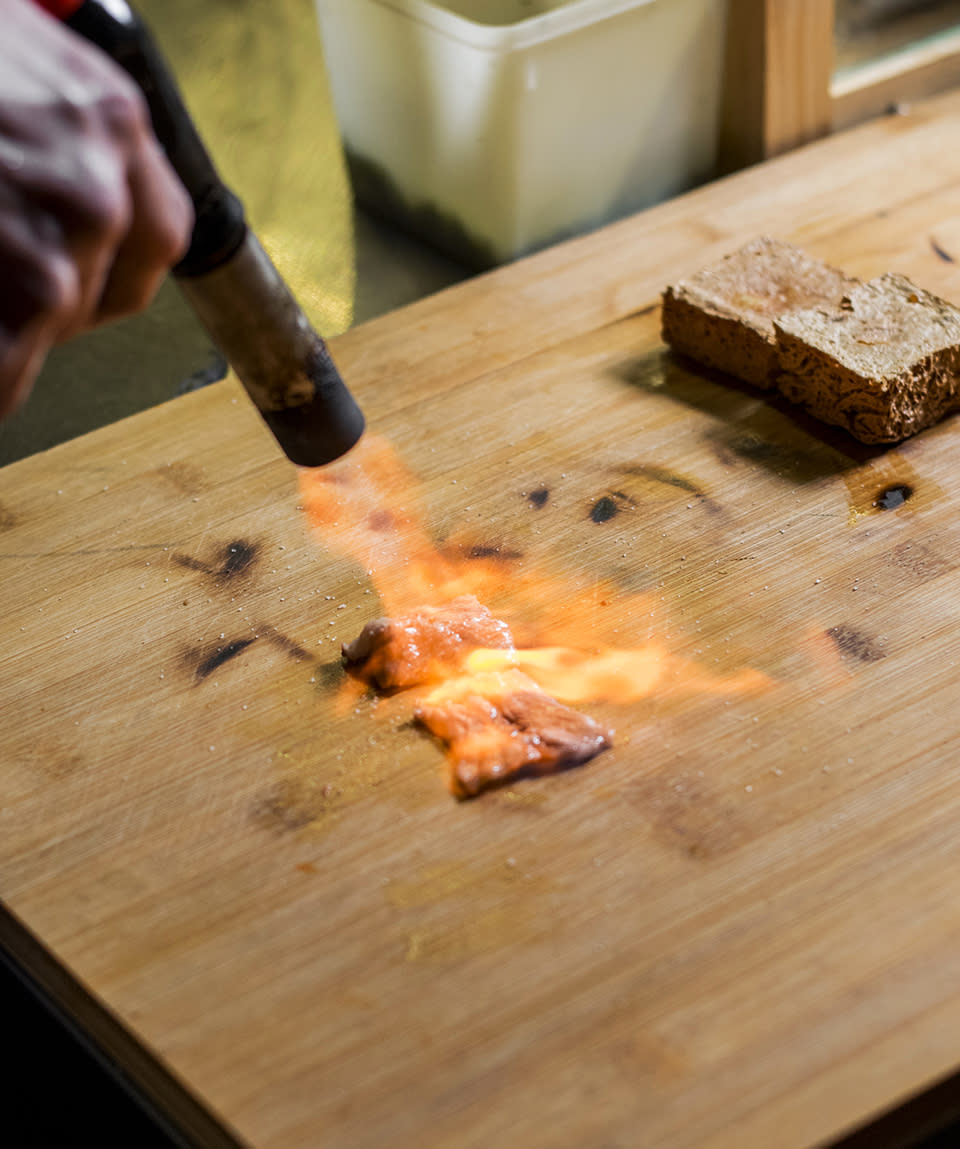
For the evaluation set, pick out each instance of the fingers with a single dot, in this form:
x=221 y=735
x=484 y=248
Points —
x=39 y=293
x=91 y=214
x=20 y=363
x=128 y=218
x=80 y=207
x=161 y=220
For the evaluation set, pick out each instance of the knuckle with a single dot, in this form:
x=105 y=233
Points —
x=142 y=295
x=129 y=297
x=102 y=98
x=109 y=209
x=105 y=124
x=95 y=96
x=52 y=287
x=169 y=219
x=101 y=200
x=141 y=292
x=123 y=111
x=86 y=187
x=176 y=232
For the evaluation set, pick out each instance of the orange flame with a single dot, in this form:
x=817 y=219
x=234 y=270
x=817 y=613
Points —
x=577 y=676
x=611 y=675
x=367 y=506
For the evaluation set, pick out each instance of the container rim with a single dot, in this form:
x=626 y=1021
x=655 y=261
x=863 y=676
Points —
x=523 y=33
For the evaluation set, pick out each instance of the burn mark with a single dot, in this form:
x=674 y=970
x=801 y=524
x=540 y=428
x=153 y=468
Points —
x=689 y=815
x=206 y=660
x=235 y=559
x=940 y=252
x=187 y=478
x=293 y=804
x=920 y=561
x=603 y=510
x=609 y=506
x=538 y=498
x=663 y=475
x=666 y=476
x=285 y=808
x=330 y=675
x=854 y=645
x=381 y=520
x=192 y=564
x=287 y=644
x=221 y=655
x=499 y=552
x=893 y=496
x=491 y=551
x=238 y=557
x=8 y=520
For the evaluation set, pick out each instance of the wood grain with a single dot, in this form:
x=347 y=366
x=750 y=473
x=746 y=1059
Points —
x=735 y=928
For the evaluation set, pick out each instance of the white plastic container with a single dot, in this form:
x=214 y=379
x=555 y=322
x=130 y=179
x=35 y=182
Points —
x=496 y=127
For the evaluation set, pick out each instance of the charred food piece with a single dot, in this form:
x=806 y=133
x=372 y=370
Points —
x=724 y=315
x=424 y=646
x=884 y=363
x=501 y=726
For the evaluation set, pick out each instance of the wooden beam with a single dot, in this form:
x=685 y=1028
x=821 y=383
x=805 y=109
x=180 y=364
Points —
x=778 y=63
x=912 y=74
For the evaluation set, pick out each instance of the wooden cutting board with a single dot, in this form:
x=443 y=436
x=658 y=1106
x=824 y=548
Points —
x=738 y=927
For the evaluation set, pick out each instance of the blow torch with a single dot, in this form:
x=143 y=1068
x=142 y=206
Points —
x=226 y=276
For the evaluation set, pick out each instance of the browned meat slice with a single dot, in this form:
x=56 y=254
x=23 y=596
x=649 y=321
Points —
x=424 y=646
x=499 y=727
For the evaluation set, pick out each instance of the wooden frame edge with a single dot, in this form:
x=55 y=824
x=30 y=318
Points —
x=911 y=74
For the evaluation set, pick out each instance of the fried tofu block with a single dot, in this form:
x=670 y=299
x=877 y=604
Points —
x=724 y=315
x=884 y=363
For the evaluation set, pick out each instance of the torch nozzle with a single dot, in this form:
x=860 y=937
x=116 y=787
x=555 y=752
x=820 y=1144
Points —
x=283 y=363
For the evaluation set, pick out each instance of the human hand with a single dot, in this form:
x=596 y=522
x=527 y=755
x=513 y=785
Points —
x=91 y=214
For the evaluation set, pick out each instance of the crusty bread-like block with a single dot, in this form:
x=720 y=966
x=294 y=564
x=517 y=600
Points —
x=723 y=316
x=884 y=364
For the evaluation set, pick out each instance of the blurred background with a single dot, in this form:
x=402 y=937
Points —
x=868 y=29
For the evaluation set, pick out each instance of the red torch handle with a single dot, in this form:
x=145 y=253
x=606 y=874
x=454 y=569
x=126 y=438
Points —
x=62 y=9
